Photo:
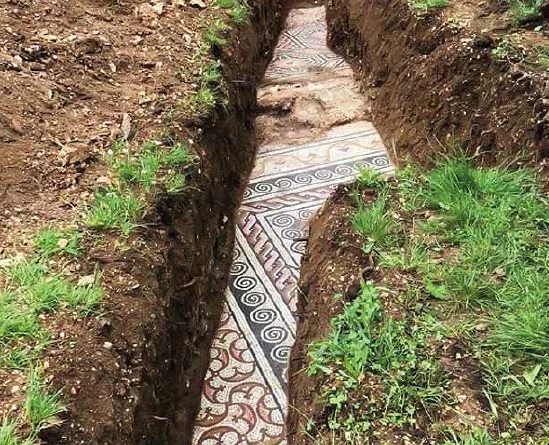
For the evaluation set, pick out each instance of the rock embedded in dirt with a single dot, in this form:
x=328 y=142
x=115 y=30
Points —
x=483 y=41
x=197 y=4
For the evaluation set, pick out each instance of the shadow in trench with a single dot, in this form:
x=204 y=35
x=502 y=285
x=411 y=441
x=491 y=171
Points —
x=314 y=135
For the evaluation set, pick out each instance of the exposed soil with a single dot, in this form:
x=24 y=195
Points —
x=73 y=75
x=433 y=79
x=333 y=264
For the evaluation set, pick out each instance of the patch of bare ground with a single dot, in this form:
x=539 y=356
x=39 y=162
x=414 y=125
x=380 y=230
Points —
x=75 y=78
x=468 y=73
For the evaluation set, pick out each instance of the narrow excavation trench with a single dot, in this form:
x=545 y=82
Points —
x=314 y=135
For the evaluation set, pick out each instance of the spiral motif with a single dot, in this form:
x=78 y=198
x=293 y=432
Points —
x=291 y=234
x=236 y=253
x=304 y=178
x=323 y=175
x=238 y=268
x=247 y=193
x=281 y=353
x=253 y=299
x=263 y=187
x=380 y=161
x=273 y=334
x=263 y=316
x=283 y=183
x=283 y=221
x=244 y=283
x=305 y=214
x=345 y=170
x=299 y=247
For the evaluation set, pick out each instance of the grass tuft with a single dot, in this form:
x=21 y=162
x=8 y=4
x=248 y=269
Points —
x=212 y=34
x=50 y=241
x=369 y=177
x=425 y=6
x=114 y=208
x=375 y=224
x=238 y=10
x=526 y=10
x=41 y=406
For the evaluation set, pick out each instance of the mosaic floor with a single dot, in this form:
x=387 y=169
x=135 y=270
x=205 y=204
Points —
x=244 y=397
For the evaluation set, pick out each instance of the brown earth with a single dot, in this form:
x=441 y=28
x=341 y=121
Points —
x=434 y=80
x=71 y=75
x=333 y=264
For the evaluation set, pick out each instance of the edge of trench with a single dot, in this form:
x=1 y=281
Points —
x=315 y=135
x=175 y=358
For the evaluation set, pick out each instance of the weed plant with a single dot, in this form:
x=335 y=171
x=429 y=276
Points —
x=238 y=9
x=525 y=10
x=425 y=6
x=368 y=345
x=212 y=34
x=369 y=177
x=476 y=245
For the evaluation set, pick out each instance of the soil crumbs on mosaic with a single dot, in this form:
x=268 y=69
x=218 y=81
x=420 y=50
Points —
x=423 y=311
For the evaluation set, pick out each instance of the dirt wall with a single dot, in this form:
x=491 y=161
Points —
x=158 y=336
x=201 y=237
x=433 y=82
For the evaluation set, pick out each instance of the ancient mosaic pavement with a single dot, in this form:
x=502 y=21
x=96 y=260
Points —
x=244 y=397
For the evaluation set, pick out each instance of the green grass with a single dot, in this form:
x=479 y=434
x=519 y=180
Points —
x=16 y=322
x=50 y=241
x=204 y=100
x=27 y=272
x=144 y=168
x=474 y=253
x=35 y=289
x=428 y=5
x=41 y=405
x=114 y=208
x=9 y=433
x=366 y=342
x=123 y=205
x=212 y=34
x=238 y=10
x=30 y=291
x=8 y=429
x=175 y=183
x=542 y=56
x=41 y=408
x=369 y=177
x=375 y=224
x=497 y=220
x=240 y=14
x=525 y=10
x=504 y=50
x=477 y=437
x=211 y=73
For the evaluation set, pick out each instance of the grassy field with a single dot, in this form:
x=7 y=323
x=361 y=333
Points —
x=449 y=340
